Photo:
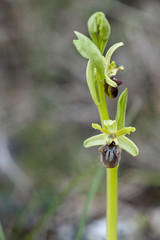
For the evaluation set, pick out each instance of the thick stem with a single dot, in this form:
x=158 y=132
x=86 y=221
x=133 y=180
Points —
x=112 y=203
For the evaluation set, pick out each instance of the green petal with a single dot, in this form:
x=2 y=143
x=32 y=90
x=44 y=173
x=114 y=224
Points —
x=111 y=125
x=124 y=131
x=127 y=145
x=96 y=126
x=92 y=52
x=121 y=109
x=111 y=51
x=91 y=81
x=96 y=140
x=109 y=81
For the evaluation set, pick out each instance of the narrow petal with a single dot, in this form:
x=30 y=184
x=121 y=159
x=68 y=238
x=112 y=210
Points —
x=98 y=127
x=124 y=131
x=111 y=51
x=110 y=81
x=127 y=145
x=96 y=140
x=121 y=109
x=111 y=125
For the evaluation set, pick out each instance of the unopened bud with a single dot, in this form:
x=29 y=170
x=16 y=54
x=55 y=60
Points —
x=99 y=30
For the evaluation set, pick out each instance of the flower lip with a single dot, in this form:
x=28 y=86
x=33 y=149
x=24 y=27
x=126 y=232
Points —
x=110 y=155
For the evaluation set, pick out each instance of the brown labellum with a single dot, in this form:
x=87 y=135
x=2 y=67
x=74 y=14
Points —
x=110 y=155
x=110 y=91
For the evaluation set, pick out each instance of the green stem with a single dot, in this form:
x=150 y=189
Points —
x=111 y=203
x=112 y=175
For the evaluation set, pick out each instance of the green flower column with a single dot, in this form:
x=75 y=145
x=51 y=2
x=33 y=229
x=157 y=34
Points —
x=101 y=81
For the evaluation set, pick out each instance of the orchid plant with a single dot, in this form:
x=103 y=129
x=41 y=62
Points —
x=101 y=79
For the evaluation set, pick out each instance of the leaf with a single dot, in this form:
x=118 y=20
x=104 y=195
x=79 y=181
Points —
x=121 y=109
x=2 y=237
x=91 y=81
x=92 y=192
x=53 y=206
x=92 y=52
x=111 y=51
x=96 y=140
x=127 y=145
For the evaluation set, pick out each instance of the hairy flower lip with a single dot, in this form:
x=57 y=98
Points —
x=110 y=155
x=110 y=134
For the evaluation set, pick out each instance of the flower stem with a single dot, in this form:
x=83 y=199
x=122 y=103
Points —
x=111 y=175
x=111 y=203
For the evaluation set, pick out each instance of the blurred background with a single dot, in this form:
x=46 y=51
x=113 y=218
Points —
x=46 y=113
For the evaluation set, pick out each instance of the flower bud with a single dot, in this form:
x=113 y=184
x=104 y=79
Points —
x=110 y=155
x=110 y=91
x=99 y=30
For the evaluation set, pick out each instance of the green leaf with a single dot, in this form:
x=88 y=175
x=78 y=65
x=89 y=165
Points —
x=111 y=125
x=91 y=51
x=111 y=51
x=121 y=109
x=2 y=237
x=96 y=140
x=109 y=81
x=91 y=81
x=99 y=30
x=55 y=203
x=79 y=48
x=92 y=192
x=127 y=145
x=124 y=131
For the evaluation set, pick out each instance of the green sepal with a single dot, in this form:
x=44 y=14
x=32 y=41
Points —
x=127 y=145
x=88 y=49
x=96 y=140
x=99 y=30
x=111 y=125
x=91 y=81
x=111 y=51
x=110 y=81
x=121 y=109
x=79 y=48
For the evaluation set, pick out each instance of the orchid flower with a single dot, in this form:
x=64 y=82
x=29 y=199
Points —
x=93 y=51
x=112 y=136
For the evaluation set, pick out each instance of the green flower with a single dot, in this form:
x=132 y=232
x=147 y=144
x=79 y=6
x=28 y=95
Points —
x=110 y=135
